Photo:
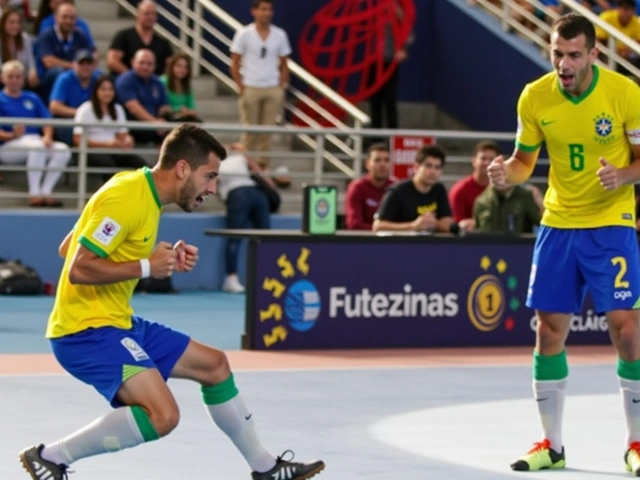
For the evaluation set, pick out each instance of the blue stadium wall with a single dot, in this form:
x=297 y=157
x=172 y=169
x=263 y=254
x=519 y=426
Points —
x=461 y=59
x=34 y=237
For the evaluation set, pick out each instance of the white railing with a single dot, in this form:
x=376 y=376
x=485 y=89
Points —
x=193 y=25
x=316 y=175
x=540 y=35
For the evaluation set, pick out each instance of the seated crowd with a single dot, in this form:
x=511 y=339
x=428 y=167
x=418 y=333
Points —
x=53 y=73
x=421 y=203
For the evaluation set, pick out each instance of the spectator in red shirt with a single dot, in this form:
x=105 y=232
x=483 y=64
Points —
x=465 y=191
x=364 y=194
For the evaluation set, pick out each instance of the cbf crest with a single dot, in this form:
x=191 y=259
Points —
x=603 y=125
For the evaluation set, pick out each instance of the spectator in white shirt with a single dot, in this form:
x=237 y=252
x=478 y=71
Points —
x=102 y=107
x=259 y=68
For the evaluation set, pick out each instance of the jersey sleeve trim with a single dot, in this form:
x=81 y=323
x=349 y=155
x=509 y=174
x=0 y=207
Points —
x=527 y=148
x=85 y=242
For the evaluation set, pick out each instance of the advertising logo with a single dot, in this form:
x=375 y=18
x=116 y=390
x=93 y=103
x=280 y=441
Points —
x=294 y=302
x=488 y=299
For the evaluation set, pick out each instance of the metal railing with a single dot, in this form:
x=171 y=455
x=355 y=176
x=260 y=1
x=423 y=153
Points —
x=193 y=25
x=540 y=35
x=316 y=174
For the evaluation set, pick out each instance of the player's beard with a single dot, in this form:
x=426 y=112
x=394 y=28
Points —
x=187 y=197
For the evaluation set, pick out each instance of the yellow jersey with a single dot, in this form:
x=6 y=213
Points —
x=602 y=122
x=631 y=29
x=120 y=222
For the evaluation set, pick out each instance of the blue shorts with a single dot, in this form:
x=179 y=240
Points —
x=568 y=261
x=106 y=357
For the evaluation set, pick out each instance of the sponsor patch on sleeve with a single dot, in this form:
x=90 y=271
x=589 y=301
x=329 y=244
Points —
x=106 y=231
x=634 y=136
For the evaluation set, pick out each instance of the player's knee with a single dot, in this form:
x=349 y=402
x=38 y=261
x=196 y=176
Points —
x=165 y=420
x=628 y=336
x=218 y=368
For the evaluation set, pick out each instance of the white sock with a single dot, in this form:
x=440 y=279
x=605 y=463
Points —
x=630 y=390
x=549 y=395
x=115 y=431
x=234 y=419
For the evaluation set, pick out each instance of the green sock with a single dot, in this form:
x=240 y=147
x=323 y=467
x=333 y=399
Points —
x=549 y=387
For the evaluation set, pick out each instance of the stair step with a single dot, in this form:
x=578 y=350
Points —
x=97 y=9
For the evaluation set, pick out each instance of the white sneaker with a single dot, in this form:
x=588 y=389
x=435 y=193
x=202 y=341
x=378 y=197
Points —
x=232 y=285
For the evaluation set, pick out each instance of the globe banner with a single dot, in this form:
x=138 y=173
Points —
x=320 y=295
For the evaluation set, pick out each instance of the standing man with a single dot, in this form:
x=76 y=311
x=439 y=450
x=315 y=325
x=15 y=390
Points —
x=589 y=118
x=259 y=54
x=96 y=337
x=364 y=194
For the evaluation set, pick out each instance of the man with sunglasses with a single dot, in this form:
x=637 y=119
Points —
x=259 y=54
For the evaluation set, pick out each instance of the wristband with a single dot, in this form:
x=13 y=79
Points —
x=145 y=267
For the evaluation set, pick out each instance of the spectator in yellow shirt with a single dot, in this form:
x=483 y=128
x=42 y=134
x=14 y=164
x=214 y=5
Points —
x=624 y=19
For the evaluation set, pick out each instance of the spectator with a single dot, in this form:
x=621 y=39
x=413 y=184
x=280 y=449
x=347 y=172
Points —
x=128 y=41
x=21 y=6
x=508 y=210
x=259 y=68
x=102 y=107
x=419 y=203
x=56 y=47
x=624 y=19
x=46 y=19
x=364 y=194
x=464 y=192
x=385 y=97
x=71 y=89
x=16 y=44
x=177 y=83
x=142 y=94
x=246 y=205
x=22 y=144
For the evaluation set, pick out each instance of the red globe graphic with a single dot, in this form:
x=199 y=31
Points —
x=343 y=43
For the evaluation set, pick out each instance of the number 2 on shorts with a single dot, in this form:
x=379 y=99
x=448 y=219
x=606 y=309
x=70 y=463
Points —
x=622 y=263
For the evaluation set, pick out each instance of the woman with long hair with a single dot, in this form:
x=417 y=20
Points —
x=16 y=44
x=102 y=107
x=177 y=83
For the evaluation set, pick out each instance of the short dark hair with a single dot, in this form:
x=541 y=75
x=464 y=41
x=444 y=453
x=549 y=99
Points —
x=377 y=147
x=626 y=4
x=430 y=151
x=486 y=145
x=573 y=24
x=256 y=3
x=190 y=143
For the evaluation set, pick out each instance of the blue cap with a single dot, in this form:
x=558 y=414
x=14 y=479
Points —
x=82 y=55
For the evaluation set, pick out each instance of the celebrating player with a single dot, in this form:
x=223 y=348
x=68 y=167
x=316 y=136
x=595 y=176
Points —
x=96 y=337
x=589 y=119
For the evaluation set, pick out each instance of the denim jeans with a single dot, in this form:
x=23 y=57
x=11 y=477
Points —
x=246 y=206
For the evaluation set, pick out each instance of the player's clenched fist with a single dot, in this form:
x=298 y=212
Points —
x=163 y=260
x=497 y=172
x=187 y=256
x=609 y=175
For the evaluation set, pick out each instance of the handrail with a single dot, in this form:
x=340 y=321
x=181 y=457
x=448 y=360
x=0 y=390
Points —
x=192 y=42
x=314 y=137
x=609 y=50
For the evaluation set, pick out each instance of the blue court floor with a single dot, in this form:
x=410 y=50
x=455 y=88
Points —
x=464 y=422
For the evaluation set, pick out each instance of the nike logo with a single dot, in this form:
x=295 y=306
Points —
x=542 y=399
x=247 y=417
x=546 y=122
x=146 y=239
x=635 y=400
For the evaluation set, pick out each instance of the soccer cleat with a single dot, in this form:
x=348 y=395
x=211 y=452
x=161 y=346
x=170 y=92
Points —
x=540 y=457
x=632 y=458
x=39 y=468
x=288 y=470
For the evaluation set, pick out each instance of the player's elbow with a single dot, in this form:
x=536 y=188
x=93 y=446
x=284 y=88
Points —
x=76 y=275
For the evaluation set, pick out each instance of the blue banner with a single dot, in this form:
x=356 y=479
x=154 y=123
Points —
x=317 y=295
